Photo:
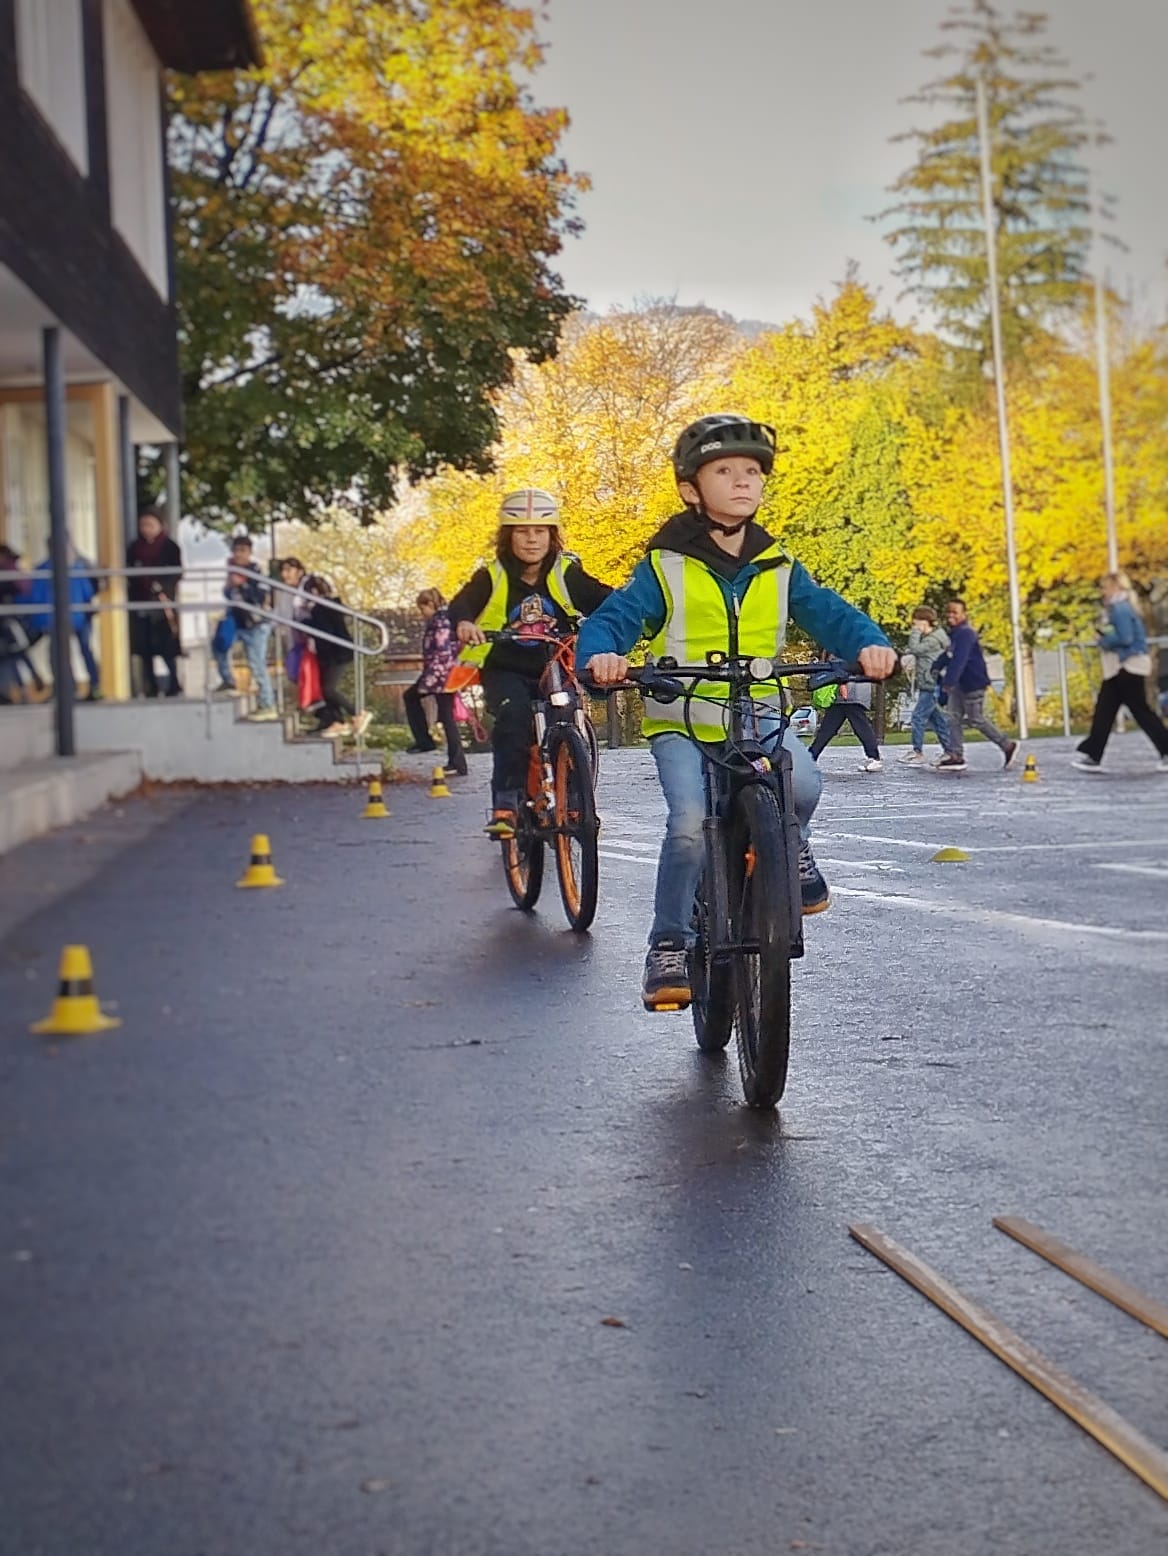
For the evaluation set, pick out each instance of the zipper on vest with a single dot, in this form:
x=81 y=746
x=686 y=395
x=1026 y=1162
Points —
x=734 y=614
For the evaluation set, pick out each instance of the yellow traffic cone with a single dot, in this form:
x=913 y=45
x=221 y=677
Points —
x=438 y=789
x=1030 y=770
x=259 y=871
x=375 y=808
x=75 y=1011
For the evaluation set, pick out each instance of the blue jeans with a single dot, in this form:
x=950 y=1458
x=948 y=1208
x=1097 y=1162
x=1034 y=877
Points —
x=84 y=643
x=928 y=715
x=255 y=646
x=679 y=767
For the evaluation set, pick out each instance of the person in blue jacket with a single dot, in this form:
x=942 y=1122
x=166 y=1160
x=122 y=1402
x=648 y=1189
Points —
x=1127 y=664
x=962 y=681
x=714 y=579
x=81 y=592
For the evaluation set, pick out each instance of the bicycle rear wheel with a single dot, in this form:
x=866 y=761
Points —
x=577 y=861
x=523 y=862
x=712 y=1006
x=760 y=917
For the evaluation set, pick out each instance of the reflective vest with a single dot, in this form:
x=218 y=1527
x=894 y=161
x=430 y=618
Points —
x=698 y=618
x=493 y=616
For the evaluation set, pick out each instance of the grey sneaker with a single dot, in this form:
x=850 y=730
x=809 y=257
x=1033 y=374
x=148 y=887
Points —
x=665 y=985
x=1087 y=763
x=912 y=759
x=812 y=886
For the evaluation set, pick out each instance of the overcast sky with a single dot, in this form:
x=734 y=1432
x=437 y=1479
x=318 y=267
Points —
x=735 y=148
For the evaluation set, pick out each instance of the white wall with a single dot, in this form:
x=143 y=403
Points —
x=52 y=70
x=133 y=106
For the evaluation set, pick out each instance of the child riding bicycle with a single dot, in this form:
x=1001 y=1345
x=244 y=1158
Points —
x=537 y=587
x=713 y=579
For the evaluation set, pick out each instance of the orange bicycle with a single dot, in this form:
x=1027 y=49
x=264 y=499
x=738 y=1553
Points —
x=559 y=807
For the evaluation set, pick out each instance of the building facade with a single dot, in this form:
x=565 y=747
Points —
x=85 y=247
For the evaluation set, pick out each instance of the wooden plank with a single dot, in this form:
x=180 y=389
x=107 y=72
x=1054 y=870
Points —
x=1105 y=1425
x=1147 y=1309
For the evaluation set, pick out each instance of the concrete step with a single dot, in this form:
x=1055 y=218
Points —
x=53 y=791
x=27 y=734
x=182 y=739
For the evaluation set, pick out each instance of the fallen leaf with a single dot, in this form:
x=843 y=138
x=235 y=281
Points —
x=614 y=1323
x=373 y=1486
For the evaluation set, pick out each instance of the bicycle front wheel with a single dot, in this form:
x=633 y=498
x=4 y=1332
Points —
x=577 y=861
x=760 y=922
x=523 y=862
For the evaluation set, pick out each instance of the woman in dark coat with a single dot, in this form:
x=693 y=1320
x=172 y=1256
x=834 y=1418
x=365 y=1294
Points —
x=439 y=651
x=154 y=633
x=337 y=716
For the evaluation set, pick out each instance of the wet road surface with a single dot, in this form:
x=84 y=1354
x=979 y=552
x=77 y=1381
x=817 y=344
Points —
x=314 y=1254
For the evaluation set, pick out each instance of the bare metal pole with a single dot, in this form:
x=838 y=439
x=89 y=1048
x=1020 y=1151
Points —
x=987 y=201
x=59 y=541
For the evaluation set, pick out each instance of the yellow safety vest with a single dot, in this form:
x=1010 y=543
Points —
x=493 y=616
x=699 y=618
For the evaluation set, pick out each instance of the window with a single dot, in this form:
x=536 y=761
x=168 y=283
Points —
x=134 y=110
x=52 y=69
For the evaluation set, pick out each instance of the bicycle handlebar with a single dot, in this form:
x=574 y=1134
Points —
x=664 y=680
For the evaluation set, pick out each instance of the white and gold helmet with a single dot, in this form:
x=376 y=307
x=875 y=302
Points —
x=529 y=505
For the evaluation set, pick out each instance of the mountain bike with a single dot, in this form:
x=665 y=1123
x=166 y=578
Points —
x=748 y=908
x=559 y=806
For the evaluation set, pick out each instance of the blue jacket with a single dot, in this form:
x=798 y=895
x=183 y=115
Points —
x=964 y=665
x=1127 y=635
x=81 y=591
x=639 y=610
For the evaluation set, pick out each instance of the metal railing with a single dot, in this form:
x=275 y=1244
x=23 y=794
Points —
x=215 y=573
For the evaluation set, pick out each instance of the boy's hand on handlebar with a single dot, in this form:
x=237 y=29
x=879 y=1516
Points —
x=607 y=669
x=470 y=632
x=878 y=662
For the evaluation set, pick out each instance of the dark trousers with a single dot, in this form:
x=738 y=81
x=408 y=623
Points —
x=834 y=719
x=1123 y=690
x=337 y=706
x=508 y=697
x=420 y=730
x=150 y=638
x=85 y=645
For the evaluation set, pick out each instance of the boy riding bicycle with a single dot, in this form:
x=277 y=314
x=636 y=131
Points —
x=713 y=579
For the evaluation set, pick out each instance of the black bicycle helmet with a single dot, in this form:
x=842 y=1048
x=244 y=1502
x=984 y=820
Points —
x=713 y=437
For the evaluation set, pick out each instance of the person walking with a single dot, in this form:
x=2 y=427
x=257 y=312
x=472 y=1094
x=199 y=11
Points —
x=1123 y=642
x=852 y=705
x=926 y=643
x=962 y=681
x=246 y=586
x=154 y=633
x=440 y=648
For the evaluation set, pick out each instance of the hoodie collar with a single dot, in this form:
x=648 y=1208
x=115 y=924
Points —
x=690 y=535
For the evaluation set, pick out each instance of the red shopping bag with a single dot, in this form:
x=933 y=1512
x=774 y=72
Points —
x=308 y=681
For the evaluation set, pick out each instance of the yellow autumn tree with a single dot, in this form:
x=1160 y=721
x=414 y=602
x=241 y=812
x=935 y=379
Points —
x=595 y=426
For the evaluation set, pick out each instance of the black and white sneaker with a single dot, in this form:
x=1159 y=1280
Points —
x=1009 y=752
x=666 y=985
x=950 y=763
x=812 y=886
x=1087 y=763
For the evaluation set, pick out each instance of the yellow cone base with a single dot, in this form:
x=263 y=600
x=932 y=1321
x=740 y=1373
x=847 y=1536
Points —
x=75 y=1011
x=375 y=810
x=260 y=871
x=438 y=789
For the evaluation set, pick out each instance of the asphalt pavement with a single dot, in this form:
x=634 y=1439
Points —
x=388 y=1224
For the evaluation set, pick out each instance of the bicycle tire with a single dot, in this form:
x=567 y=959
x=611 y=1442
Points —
x=712 y=1005
x=593 y=741
x=523 y=863
x=760 y=912
x=577 y=859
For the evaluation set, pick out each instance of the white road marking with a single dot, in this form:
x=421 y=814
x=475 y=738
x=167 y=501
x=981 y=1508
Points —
x=1160 y=871
x=1000 y=915
x=996 y=848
